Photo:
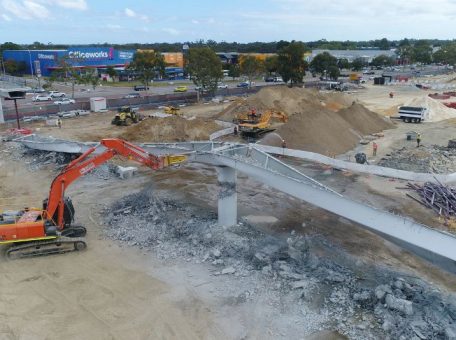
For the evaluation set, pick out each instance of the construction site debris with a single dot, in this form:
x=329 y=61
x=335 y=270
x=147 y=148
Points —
x=438 y=197
x=425 y=159
x=380 y=304
x=170 y=129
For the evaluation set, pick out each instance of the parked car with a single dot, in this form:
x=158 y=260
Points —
x=65 y=101
x=56 y=94
x=222 y=86
x=269 y=79
x=36 y=90
x=278 y=80
x=133 y=95
x=181 y=88
x=42 y=98
x=245 y=84
x=141 y=88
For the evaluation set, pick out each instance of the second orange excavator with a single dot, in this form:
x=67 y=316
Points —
x=49 y=230
x=260 y=124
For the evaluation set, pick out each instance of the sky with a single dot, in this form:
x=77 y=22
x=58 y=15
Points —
x=146 y=21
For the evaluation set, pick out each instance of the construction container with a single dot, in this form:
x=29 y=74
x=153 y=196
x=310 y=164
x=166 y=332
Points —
x=97 y=104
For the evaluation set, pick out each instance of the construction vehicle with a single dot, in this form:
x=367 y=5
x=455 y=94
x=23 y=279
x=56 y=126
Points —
x=261 y=124
x=172 y=110
x=126 y=115
x=36 y=232
x=411 y=114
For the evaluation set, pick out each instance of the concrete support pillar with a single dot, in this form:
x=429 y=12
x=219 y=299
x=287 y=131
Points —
x=2 y=119
x=227 y=198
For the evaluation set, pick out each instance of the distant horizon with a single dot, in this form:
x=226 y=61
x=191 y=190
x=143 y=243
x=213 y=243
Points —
x=77 y=22
x=226 y=42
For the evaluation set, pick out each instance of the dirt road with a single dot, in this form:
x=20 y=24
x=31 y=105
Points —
x=101 y=293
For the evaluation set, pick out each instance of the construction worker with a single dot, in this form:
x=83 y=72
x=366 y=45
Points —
x=418 y=140
x=59 y=123
x=374 y=149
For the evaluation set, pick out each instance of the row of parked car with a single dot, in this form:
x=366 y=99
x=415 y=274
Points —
x=57 y=97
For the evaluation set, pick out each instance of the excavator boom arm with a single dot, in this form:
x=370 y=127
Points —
x=89 y=161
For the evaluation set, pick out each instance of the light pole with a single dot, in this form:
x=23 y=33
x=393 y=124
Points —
x=31 y=65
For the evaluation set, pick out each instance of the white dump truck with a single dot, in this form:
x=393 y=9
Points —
x=412 y=114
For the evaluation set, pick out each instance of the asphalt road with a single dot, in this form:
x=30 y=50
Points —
x=84 y=92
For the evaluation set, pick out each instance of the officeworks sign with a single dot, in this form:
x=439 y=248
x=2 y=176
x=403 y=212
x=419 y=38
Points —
x=91 y=53
x=45 y=56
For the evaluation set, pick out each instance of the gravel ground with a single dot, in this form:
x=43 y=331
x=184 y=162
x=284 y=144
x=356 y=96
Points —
x=315 y=292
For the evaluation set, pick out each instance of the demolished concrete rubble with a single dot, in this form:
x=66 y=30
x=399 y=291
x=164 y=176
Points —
x=374 y=304
x=425 y=159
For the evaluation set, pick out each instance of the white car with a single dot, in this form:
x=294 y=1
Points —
x=42 y=98
x=222 y=86
x=57 y=94
x=65 y=101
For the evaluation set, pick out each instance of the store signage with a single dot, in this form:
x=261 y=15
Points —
x=43 y=56
x=92 y=54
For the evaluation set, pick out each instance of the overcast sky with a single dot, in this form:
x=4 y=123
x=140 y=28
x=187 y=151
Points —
x=114 y=21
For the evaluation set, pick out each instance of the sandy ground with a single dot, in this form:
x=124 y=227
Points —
x=113 y=292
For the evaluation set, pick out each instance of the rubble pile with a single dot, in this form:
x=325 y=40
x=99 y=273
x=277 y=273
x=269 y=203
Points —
x=427 y=159
x=371 y=305
x=38 y=159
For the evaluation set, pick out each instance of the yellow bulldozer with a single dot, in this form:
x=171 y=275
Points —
x=172 y=110
x=126 y=115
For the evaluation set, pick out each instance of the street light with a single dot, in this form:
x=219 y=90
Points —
x=31 y=66
x=15 y=95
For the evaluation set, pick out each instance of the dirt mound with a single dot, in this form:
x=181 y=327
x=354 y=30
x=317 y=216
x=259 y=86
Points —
x=330 y=133
x=171 y=129
x=437 y=111
x=288 y=100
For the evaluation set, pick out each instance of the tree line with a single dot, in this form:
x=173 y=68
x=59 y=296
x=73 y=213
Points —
x=251 y=47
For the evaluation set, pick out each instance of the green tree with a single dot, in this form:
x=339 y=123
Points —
x=382 y=60
x=422 y=52
x=333 y=72
x=343 y=63
x=321 y=63
x=149 y=65
x=405 y=50
x=204 y=67
x=358 y=64
x=446 y=54
x=9 y=46
x=234 y=71
x=111 y=72
x=251 y=67
x=67 y=71
x=90 y=77
x=384 y=44
x=271 y=64
x=291 y=64
x=11 y=66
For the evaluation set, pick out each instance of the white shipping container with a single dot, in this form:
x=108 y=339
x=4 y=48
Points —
x=97 y=104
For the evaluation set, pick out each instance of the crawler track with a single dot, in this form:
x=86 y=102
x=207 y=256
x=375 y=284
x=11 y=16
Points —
x=59 y=245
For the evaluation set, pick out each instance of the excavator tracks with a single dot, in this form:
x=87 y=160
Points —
x=59 y=245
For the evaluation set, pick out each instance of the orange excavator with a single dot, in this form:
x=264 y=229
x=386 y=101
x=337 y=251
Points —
x=261 y=124
x=36 y=232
